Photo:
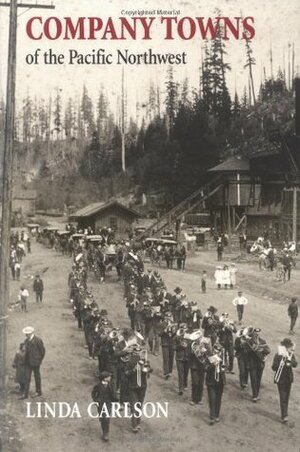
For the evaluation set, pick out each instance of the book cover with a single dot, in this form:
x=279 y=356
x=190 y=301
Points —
x=150 y=224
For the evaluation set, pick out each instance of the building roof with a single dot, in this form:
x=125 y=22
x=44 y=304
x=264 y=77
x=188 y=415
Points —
x=232 y=164
x=97 y=207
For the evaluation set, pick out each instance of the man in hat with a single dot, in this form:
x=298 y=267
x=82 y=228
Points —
x=211 y=324
x=103 y=393
x=240 y=302
x=38 y=288
x=137 y=371
x=226 y=339
x=181 y=346
x=283 y=363
x=175 y=303
x=293 y=313
x=34 y=355
x=256 y=351
x=240 y=347
x=215 y=381
x=167 y=334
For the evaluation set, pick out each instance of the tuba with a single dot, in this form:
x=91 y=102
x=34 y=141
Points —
x=200 y=348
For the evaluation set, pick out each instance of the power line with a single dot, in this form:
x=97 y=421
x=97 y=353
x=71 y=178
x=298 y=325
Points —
x=7 y=176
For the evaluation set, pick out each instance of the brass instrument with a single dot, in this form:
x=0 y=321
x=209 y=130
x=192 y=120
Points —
x=170 y=329
x=194 y=336
x=114 y=334
x=217 y=361
x=201 y=347
x=285 y=360
x=181 y=332
x=142 y=366
x=259 y=349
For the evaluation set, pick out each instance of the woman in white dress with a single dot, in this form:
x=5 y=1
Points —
x=219 y=277
x=226 y=276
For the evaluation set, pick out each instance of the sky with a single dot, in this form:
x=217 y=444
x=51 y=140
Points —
x=275 y=21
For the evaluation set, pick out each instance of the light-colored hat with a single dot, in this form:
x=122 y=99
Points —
x=28 y=330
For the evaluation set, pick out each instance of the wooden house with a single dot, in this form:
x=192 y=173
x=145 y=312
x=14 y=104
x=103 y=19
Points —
x=110 y=214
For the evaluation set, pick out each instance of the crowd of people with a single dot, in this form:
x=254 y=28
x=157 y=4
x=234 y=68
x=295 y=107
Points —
x=204 y=346
x=167 y=322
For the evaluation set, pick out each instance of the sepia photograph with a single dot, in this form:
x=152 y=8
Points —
x=149 y=225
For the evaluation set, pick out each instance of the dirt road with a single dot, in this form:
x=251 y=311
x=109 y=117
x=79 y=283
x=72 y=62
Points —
x=67 y=375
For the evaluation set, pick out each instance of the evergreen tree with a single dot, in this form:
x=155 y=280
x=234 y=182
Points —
x=87 y=113
x=171 y=100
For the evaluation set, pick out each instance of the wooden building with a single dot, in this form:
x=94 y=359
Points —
x=259 y=194
x=228 y=205
x=110 y=214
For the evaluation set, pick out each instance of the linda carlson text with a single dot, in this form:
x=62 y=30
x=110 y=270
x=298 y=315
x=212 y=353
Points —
x=62 y=410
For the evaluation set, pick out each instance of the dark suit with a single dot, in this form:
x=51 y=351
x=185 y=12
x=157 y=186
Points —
x=135 y=392
x=214 y=390
x=211 y=326
x=34 y=355
x=197 y=377
x=255 y=364
x=285 y=382
x=167 y=347
x=241 y=358
x=181 y=347
x=104 y=395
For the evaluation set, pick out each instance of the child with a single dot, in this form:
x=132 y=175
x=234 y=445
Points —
x=17 y=271
x=203 y=281
x=23 y=296
x=19 y=365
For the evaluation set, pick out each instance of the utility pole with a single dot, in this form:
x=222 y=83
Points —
x=8 y=176
x=123 y=124
x=295 y=189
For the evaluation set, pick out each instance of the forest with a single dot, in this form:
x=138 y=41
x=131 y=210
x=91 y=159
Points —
x=71 y=152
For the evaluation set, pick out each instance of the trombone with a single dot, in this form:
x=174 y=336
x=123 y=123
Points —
x=282 y=363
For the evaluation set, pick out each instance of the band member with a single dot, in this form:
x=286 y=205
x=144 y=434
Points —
x=104 y=395
x=197 y=358
x=181 y=346
x=156 y=327
x=226 y=340
x=240 y=302
x=283 y=363
x=175 y=303
x=194 y=316
x=256 y=351
x=137 y=370
x=167 y=334
x=239 y=347
x=215 y=381
x=211 y=324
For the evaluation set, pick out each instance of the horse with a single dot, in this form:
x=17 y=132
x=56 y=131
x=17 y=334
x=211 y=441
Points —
x=263 y=254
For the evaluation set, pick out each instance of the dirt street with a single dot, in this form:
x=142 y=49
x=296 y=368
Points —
x=68 y=375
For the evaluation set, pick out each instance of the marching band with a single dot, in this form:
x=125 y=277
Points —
x=158 y=317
